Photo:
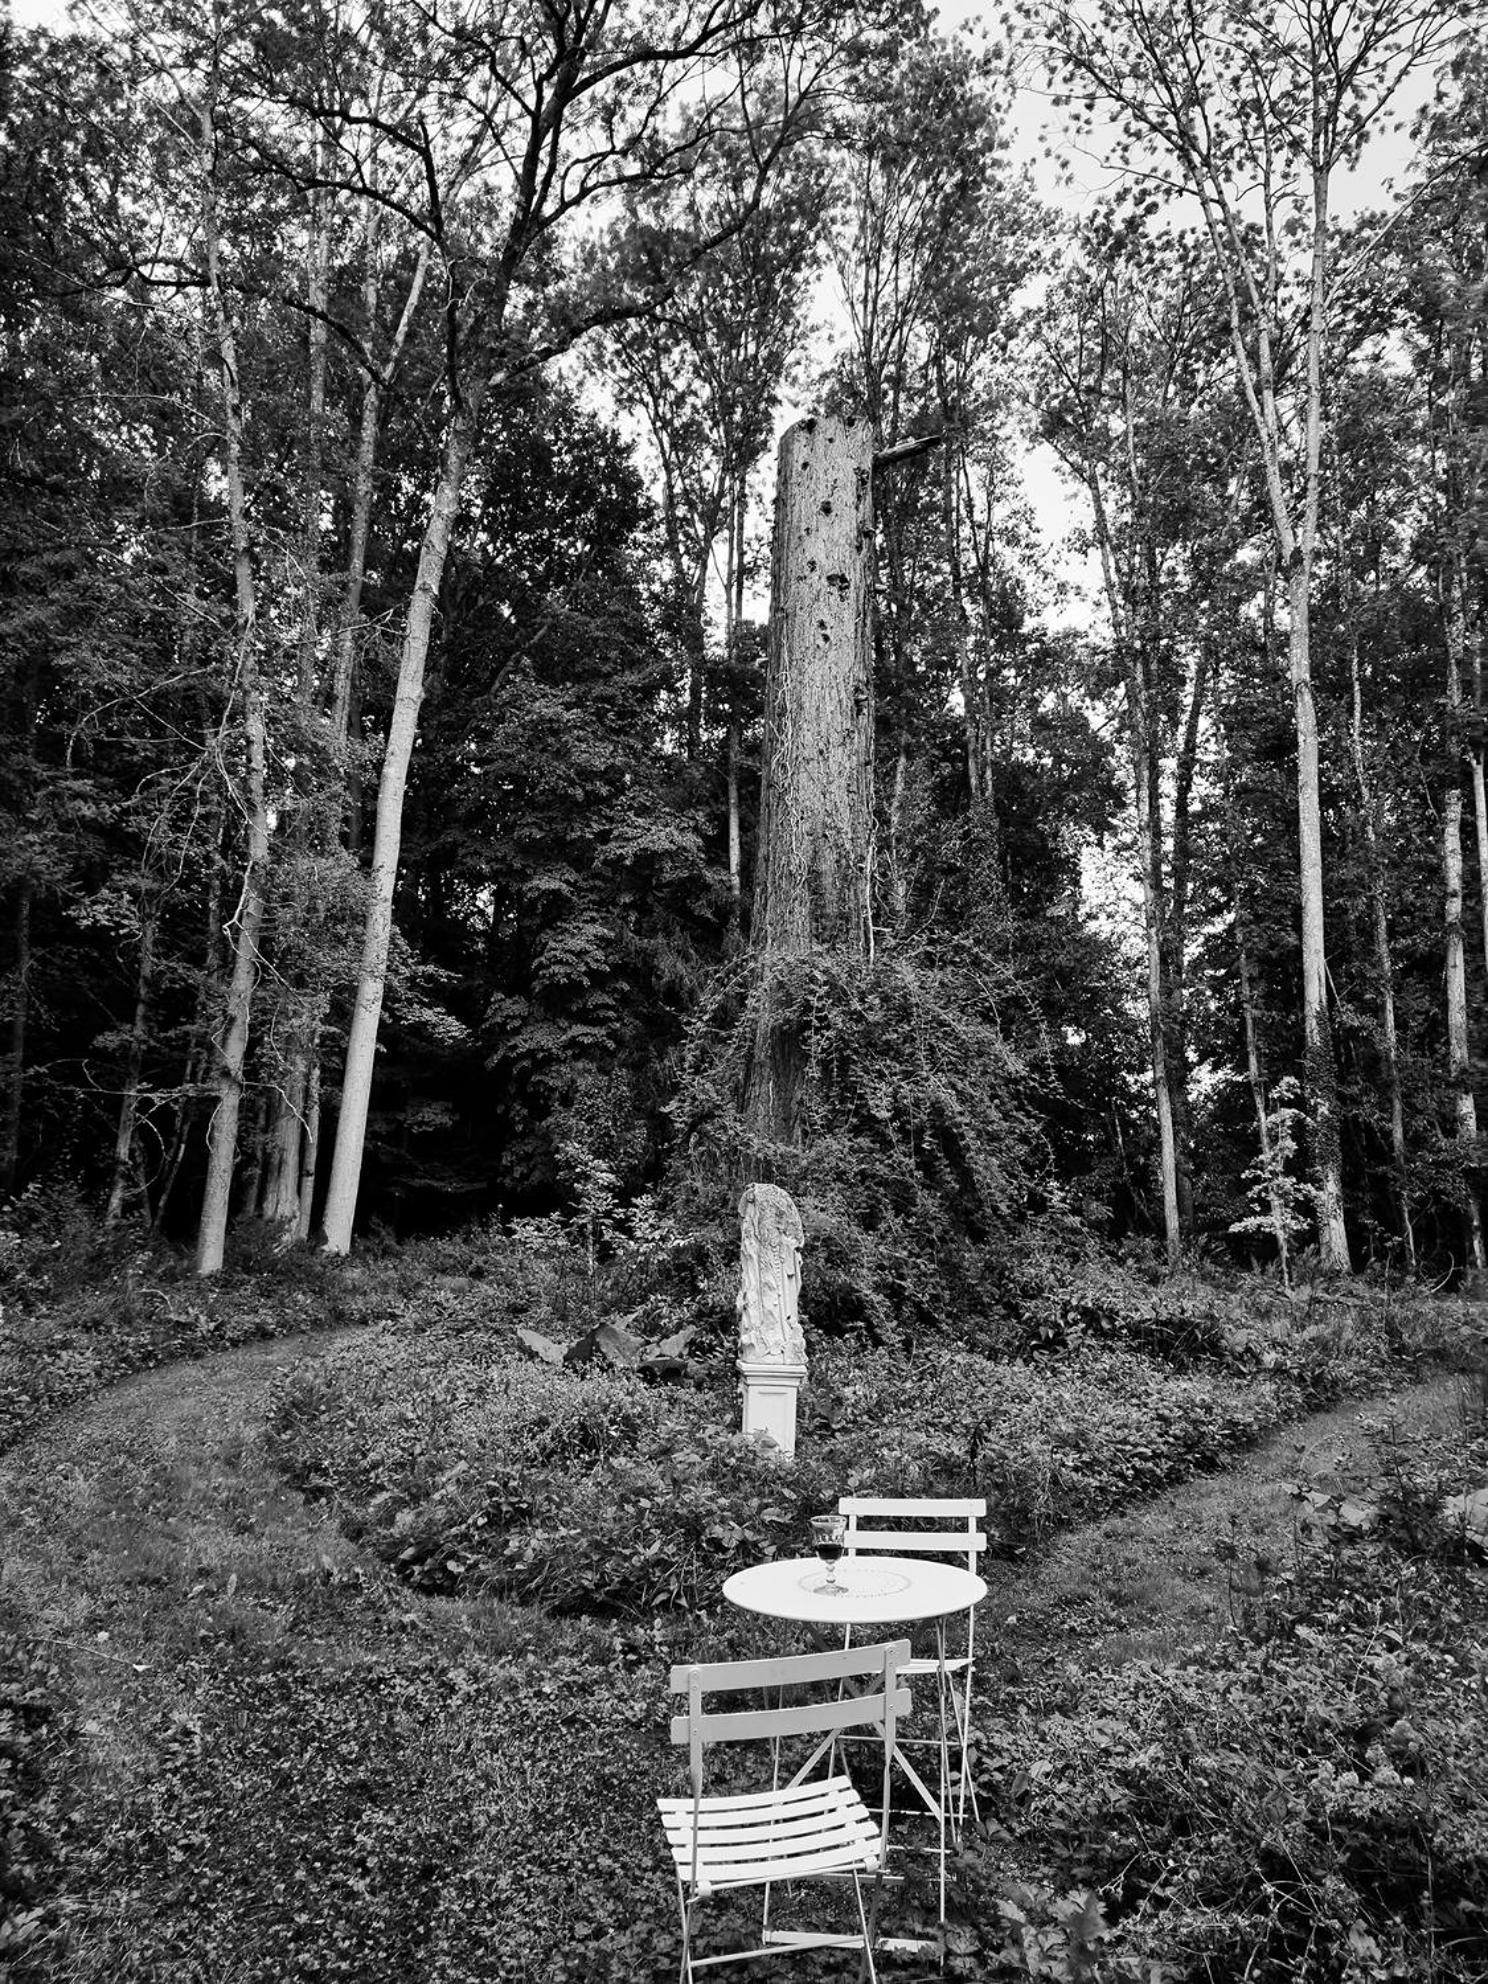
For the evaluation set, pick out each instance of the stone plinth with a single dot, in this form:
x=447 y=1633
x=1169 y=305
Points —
x=770 y=1390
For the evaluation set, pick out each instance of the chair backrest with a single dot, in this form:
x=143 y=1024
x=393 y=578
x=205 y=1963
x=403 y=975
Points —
x=951 y=1525
x=887 y=1700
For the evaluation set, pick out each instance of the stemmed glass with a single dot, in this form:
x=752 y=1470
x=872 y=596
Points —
x=827 y=1534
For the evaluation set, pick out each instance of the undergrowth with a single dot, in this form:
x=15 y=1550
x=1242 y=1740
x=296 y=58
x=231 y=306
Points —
x=1304 y=1803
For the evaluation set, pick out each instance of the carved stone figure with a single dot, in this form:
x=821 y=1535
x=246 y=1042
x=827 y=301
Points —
x=770 y=1243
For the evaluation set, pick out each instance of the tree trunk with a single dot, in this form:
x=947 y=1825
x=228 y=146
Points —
x=811 y=889
x=1146 y=790
x=134 y=1061
x=281 y=1198
x=1459 y=1069
x=1149 y=860
x=1317 y=1034
x=1258 y=1099
x=1384 y=962
x=300 y=1004
x=232 y=1045
x=1175 y=942
x=15 y=1055
x=361 y=1045
x=309 y=1151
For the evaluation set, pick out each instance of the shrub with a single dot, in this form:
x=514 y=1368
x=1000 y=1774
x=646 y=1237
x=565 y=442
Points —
x=916 y=1140
x=466 y=1468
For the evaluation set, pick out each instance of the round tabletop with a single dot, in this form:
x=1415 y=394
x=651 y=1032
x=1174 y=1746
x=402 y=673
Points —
x=876 y=1591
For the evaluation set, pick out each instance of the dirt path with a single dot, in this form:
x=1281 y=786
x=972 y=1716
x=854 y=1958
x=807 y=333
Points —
x=1147 y=1581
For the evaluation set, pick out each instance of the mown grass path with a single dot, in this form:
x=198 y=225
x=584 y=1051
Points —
x=1147 y=1582
x=291 y=1767
x=286 y=1765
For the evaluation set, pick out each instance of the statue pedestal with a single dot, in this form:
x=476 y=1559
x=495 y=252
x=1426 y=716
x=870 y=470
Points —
x=770 y=1400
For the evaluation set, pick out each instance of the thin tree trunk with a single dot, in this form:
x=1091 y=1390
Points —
x=206 y=999
x=247 y=921
x=1143 y=744
x=1384 y=962
x=1317 y=1033
x=375 y=388
x=1258 y=1100
x=12 y=1099
x=282 y=1171
x=1459 y=1071
x=361 y=1045
x=960 y=621
x=1175 y=962
x=252 y=1170
x=134 y=1062
x=309 y=1151
x=1144 y=754
x=733 y=610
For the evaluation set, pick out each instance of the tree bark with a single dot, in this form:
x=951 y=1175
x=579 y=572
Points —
x=811 y=890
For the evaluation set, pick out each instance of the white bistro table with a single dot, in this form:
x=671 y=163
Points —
x=876 y=1591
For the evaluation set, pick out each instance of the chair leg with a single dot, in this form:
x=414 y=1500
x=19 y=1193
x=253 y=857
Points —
x=685 y=1907
x=868 y=1923
x=962 y=1706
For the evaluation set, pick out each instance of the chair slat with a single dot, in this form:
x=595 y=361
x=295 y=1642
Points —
x=726 y=1676
x=900 y=1542
x=805 y=1719
x=913 y=1505
x=807 y=1792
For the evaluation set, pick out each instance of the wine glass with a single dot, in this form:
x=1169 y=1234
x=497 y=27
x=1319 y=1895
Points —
x=827 y=1534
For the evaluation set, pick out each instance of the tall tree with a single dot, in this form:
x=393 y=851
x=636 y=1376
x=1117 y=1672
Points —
x=1253 y=116
x=1135 y=409
x=812 y=879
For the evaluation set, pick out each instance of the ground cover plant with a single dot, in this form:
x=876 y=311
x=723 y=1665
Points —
x=1305 y=1800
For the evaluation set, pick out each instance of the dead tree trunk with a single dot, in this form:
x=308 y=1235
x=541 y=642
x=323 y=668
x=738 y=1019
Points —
x=811 y=889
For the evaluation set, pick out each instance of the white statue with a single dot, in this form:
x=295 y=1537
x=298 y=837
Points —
x=770 y=1243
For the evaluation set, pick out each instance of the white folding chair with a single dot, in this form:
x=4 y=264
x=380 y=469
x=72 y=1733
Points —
x=938 y=1526
x=808 y=1828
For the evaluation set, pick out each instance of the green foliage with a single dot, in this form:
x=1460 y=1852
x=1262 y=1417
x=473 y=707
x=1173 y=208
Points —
x=468 y=1468
x=917 y=1141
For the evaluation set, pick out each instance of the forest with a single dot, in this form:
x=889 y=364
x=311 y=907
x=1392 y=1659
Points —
x=390 y=409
